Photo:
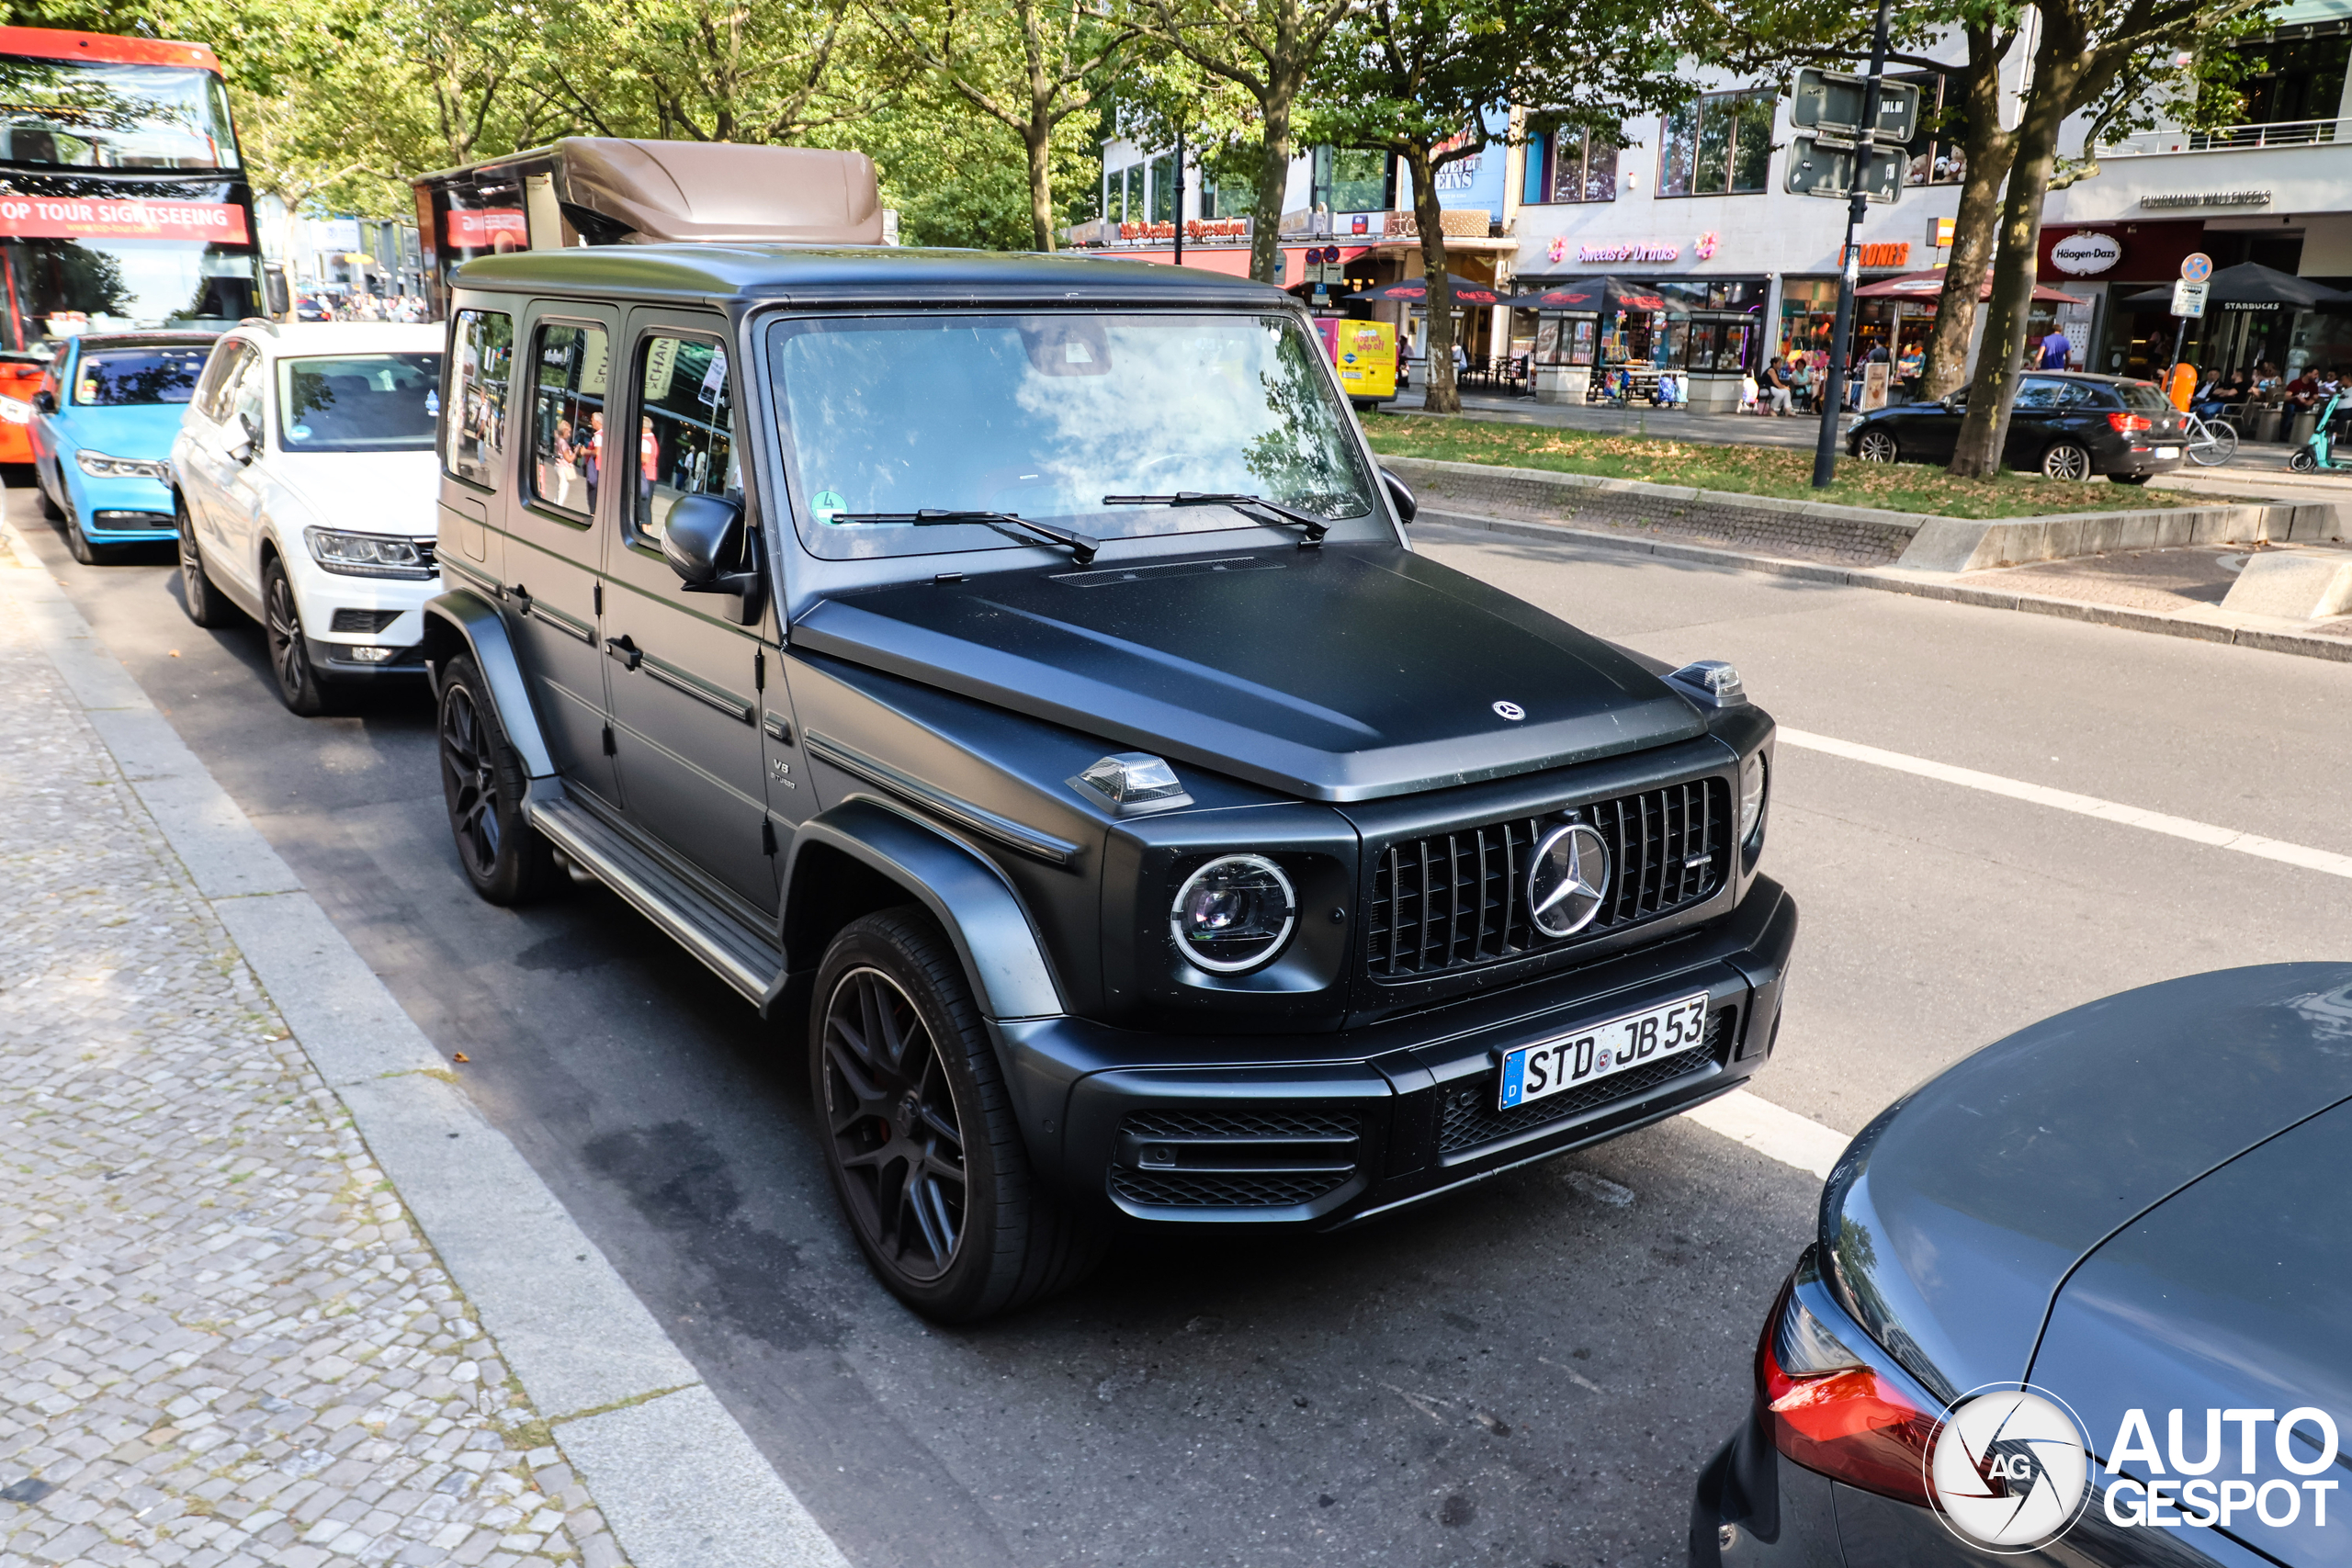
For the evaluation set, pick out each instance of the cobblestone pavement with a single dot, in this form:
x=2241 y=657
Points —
x=222 y=1341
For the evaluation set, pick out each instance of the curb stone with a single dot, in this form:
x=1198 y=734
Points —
x=2200 y=623
x=678 y=1481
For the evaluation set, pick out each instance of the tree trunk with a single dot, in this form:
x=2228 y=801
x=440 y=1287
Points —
x=1441 y=395
x=1040 y=139
x=1986 y=430
x=1273 y=183
x=1988 y=151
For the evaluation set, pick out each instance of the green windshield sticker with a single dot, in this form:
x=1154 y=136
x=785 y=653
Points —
x=825 y=503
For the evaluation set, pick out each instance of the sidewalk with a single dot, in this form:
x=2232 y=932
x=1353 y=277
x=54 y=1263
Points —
x=221 y=1340
x=272 y=1289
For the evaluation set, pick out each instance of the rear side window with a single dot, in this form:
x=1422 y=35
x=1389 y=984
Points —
x=2038 y=394
x=2085 y=395
x=570 y=365
x=474 y=432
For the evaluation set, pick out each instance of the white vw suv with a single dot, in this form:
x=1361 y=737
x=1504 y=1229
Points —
x=305 y=484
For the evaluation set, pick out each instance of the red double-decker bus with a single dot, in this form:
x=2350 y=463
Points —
x=123 y=201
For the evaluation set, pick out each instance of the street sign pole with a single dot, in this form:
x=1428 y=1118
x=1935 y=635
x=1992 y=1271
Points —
x=1180 y=196
x=1833 y=400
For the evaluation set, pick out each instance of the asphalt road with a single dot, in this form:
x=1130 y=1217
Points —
x=1528 y=1374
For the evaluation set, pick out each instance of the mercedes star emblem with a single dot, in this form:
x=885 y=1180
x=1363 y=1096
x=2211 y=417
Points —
x=1511 y=710
x=1566 y=878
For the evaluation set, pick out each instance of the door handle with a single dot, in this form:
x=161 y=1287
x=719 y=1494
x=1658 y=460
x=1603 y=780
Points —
x=627 y=652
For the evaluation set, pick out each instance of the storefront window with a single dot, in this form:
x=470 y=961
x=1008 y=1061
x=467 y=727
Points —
x=2293 y=79
x=1721 y=144
x=1935 y=157
x=1163 y=189
x=1566 y=340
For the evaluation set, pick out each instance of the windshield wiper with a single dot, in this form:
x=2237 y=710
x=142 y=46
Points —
x=1256 y=506
x=1081 y=548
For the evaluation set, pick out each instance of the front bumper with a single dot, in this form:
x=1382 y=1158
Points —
x=119 y=512
x=1325 y=1130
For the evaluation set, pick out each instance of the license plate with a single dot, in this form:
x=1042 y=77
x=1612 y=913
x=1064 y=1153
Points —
x=1564 y=1062
x=2167 y=451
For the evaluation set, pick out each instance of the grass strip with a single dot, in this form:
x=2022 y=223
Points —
x=1752 y=470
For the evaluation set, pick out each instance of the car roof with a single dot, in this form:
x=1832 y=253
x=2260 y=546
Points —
x=282 y=339
x=146 y=339
x=718 y=272
x=2092 y=377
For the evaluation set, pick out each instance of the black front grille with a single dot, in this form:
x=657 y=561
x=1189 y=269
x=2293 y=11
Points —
x=1456 y=900
x=1247 y=1157
x=365 y=622
x=1471 y=1120
x=1179 y=1189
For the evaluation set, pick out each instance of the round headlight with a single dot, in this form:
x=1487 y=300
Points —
x=1751 y=798
x=1233 y=914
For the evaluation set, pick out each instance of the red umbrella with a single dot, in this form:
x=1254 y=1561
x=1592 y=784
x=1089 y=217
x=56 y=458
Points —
x=1928 y=284
x=1415 y=290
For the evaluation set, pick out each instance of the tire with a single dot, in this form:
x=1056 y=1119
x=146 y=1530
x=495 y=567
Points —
x=79 y=544
x=49 y=507
x=1878 y=446
x=2066 y=460
x=205 y=604
x=481 y=781
x=2129 y=479
x=905 y=1081
x=2302 y=462
x=298 y=686
x=2224 y=445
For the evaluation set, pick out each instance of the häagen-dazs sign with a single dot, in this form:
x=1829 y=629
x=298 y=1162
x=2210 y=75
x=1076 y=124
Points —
x=2086 y=253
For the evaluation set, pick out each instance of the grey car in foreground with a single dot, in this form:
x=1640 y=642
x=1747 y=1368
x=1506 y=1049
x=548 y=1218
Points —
x=2137 y=1207
x=1015 y=667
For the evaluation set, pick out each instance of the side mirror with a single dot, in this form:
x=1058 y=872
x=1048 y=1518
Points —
x=45 y=401
x=244 y=451
x=703 y=541
x=1403 y=498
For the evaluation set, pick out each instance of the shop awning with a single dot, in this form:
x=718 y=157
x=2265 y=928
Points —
x=1928 y=284
x=1566 y=297
x=2251 y=283
x=1415 y=292
x=1596 y=294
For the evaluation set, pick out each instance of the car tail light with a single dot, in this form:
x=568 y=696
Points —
x=2129 y=424
x=1852 y=1415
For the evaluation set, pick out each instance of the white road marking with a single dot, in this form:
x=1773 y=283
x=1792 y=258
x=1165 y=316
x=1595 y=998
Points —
x=1771 y=1132
x=2309 y=859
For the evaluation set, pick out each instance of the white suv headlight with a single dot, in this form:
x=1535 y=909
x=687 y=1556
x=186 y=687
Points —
x=368 y=555
x=98 y=466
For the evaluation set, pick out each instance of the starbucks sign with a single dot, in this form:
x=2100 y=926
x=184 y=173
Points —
x=2086 y=253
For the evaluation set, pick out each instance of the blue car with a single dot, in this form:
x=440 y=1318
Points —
x=103 y=425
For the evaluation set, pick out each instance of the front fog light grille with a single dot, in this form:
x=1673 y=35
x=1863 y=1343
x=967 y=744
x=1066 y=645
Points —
x=365 y=622
x=1471 y=1120
x=1267 y=1157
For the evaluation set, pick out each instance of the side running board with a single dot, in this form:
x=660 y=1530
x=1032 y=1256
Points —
x=737 y=954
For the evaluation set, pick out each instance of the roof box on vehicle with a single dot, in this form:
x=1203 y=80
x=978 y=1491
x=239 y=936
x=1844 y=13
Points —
x=650 y=191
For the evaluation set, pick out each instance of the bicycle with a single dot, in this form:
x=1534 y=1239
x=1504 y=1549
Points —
x=2210 y=444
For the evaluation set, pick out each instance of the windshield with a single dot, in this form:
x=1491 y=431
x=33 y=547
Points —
x=123 y=377
x=1044 y=415
x=62 y=288
x=71 y=114
x=358 y=402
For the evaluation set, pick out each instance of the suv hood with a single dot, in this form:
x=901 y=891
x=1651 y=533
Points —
x=1348 y=673
x=1956 y=1215
x=369 y=492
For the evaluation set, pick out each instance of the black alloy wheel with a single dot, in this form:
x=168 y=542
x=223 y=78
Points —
x=919 y=1134
x=289 y=654
x=2066 y=460
x=1878 y=446
x=503 y=857
x=205 y=604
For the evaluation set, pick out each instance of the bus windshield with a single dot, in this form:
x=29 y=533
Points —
x=63 y=287
x=72 y=114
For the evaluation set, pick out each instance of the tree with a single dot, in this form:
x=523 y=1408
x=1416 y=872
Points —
x=2084 y=47
x=694 y=70
x=1985 y=147
x=1428 y=80
x=1269 y=49
x=1029 y=65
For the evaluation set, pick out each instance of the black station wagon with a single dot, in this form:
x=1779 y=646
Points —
x=1015 y=669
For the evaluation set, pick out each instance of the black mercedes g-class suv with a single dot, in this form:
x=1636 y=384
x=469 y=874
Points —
x=1016 y=668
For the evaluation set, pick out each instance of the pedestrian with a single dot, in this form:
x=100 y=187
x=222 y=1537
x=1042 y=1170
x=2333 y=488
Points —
x=2055 y=349
x=1776 y=389
x=563 y=457
x=648 y=466
x=1801 y=382
x=595 y=455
